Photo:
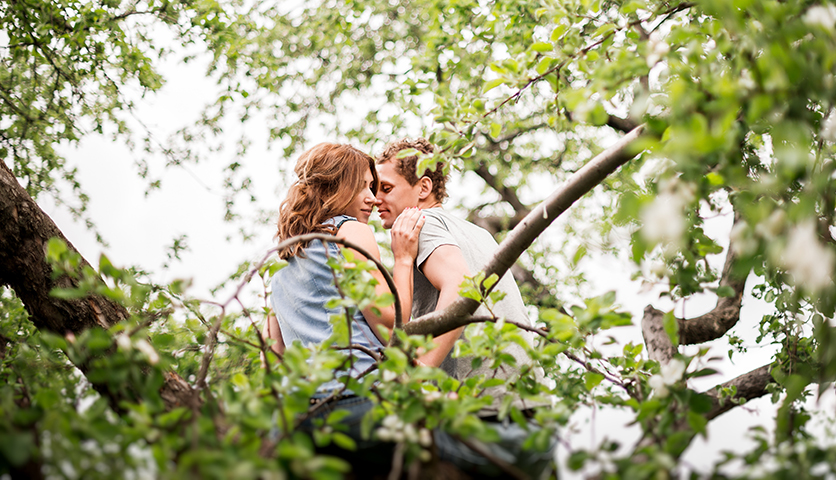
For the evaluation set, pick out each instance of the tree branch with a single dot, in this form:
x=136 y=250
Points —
x=704 y=328
x=508 y=194
x=656 y=339
x=749 y=386
x=621 y=124
x=722 y=317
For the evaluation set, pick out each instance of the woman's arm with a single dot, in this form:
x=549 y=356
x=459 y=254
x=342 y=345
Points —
x=405 y=247
x=272 y=330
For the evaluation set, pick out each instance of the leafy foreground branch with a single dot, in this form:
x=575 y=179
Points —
x=77 y=288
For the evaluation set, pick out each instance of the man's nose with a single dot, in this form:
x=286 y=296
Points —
x=377 y=200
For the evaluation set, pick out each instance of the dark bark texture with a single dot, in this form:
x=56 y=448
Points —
x=24 y=232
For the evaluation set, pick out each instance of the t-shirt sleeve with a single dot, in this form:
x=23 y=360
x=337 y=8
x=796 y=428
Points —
x=433 y=235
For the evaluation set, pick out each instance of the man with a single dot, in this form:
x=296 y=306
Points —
x=449 y=249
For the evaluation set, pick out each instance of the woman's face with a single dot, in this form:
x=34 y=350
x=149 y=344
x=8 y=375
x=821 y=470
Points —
x=361 y=207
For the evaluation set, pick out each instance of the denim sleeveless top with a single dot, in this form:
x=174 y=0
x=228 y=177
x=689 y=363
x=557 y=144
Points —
x=300 y=291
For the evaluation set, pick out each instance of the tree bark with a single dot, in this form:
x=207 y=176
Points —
x=750 y=385
x=24 y=232
x=704 y=328
x=656 y=339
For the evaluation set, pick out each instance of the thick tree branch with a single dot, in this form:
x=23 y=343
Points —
x=521 y=237
x=721 y=318
x=749 y=386
x=704 y=328
x=656 y=339
x=621 y=124
x=24 y=232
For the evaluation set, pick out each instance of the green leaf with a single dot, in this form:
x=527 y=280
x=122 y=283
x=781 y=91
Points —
x=496 y=129
x=677 y=442
x=55 y=248
x=542 y=47
x=544 y=65
x=604 y=29
x=491 y=84
x=577 y=460
x=671 y=326
x=343 y=441
x=16 y=448
x=592 y=380
x=67 y=293
x=698 y=423
x=558 y=31
x=725 y=291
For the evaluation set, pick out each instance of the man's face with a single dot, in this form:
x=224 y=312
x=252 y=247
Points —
x=395 y=194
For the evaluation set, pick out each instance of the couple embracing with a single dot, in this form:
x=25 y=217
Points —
x=338 y=186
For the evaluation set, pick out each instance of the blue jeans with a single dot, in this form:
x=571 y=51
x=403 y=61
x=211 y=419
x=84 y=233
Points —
x=532 y=463
x=376 y=455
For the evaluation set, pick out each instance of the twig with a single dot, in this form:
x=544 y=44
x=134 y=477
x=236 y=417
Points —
x=397 y=461
x=211 y=342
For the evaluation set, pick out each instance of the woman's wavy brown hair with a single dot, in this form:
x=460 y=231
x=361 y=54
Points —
x=330 y=177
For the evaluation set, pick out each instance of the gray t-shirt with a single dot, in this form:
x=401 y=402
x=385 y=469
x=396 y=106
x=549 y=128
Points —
x=477 y=247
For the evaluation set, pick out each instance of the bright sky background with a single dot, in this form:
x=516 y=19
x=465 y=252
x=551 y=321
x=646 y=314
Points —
x=139 y=229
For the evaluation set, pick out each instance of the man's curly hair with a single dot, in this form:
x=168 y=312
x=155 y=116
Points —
x=407 y=166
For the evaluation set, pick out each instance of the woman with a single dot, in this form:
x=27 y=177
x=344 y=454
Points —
x=335 y=195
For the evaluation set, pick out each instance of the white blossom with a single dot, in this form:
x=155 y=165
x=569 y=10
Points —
x=672 y=371
x=384 y=434
x=772 y=226
x=824 y=16
x=658 y=268
x=425 y=438
x=393 y=429
x=828 y=129
x=392 y=421
x=123 y=342
x=658 y=386
x=662 y=220
x=806 y=259
x=658 y=49
x=742 y=243
x=143 y=346
x=746 y=81
x=410 y=434
x=669 y=374
x=432 y=395
x=389 y=375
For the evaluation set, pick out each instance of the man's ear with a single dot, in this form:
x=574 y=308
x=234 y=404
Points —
x=426 y=188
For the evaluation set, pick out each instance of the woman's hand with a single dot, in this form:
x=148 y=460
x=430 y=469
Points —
x=405 y=233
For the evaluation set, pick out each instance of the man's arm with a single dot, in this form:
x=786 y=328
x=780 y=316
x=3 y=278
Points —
x=445 y=268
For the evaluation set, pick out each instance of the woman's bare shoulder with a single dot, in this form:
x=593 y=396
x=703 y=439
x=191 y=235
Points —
x=359 y=233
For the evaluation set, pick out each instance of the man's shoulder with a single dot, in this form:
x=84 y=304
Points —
x=450 y=221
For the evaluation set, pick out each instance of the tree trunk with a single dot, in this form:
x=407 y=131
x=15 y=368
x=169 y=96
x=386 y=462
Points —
x=24 y=232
